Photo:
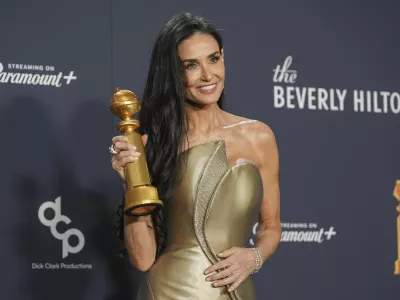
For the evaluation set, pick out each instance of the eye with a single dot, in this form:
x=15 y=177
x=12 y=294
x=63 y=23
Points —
x=190 y=66
x=214 y=59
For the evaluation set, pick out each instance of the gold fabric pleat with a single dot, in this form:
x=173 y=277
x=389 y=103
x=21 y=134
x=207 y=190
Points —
x=212 y=209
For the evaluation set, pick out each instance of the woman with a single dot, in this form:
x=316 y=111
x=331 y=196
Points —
x=213 y=170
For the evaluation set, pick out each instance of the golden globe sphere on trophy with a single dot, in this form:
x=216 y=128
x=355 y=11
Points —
x=141 y=198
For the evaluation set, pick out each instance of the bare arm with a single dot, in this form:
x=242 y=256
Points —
x=269 y=226
x=139 y=233
x=140 y=241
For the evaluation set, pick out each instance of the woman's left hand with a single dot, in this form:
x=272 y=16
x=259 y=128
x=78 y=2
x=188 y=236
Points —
x=237 y=265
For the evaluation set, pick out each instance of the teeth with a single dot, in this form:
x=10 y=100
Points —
x=208 y=87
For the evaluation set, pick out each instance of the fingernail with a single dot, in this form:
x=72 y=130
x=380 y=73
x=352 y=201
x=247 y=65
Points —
x=206 y=272
x=138 y=153
x=215 y=284
x=219 y=254
x=208 y=279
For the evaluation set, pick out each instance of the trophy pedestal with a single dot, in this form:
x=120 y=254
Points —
x=397 y=267
x=141 y=200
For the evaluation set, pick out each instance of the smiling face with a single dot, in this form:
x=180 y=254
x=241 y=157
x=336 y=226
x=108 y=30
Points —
x=203 y=68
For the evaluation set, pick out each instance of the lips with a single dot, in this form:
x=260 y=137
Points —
x=208 y=89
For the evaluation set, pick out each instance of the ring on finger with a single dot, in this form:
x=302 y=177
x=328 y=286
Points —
x=112 y=150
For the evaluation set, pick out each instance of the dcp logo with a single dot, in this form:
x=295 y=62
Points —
x=58 y=217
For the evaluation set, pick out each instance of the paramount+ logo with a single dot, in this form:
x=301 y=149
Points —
x=52 y=223
x=35 y=75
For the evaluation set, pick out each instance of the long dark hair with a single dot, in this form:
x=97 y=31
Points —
x=162 y=116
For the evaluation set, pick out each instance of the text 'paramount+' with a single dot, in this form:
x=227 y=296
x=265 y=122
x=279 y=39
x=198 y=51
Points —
x=301 y=233
x=311 y=98
x=22 y=74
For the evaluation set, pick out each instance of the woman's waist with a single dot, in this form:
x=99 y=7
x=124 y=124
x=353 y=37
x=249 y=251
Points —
x=214 y=242
x=185 y=264
x=181 y=271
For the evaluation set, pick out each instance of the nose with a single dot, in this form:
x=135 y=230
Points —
x=206 y=74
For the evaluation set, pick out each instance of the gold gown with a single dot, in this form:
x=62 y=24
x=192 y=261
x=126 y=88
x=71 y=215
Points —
x=213 y=208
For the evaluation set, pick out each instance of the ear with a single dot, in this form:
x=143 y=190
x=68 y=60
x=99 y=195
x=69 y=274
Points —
x=222 y=53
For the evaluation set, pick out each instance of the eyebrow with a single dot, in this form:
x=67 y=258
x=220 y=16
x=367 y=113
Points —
x=195 y=60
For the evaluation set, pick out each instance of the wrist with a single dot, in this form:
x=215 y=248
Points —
x=257 y=260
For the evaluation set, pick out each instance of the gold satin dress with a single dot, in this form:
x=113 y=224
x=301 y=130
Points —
x=213 y=208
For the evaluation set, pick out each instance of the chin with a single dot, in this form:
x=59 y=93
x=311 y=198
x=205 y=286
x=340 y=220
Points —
x=204 y=101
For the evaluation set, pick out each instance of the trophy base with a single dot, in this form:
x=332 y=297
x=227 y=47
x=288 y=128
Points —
x=397 y=267
x=141 y=201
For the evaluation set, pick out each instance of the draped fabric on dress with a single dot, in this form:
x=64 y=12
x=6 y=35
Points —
x=212 y=209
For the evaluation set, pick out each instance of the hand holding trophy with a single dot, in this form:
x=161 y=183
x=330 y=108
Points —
x=141 y=198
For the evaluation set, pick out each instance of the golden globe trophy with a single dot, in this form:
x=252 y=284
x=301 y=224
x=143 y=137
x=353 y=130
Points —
x=141 y=198
x=396 y=194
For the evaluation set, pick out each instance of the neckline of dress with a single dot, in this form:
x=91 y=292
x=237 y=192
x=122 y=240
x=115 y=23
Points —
x=244 y=160
x=205 y=143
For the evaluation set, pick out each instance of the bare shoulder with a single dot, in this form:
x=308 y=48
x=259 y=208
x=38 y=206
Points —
x=262 y=141
x=259 y=134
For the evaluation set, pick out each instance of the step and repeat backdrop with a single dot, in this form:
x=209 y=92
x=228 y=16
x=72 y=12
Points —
x=324 y=76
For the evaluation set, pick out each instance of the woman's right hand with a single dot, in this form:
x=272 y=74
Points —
x=126 y=153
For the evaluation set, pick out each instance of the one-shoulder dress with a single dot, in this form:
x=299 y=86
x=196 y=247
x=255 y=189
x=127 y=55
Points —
x=213 y=208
